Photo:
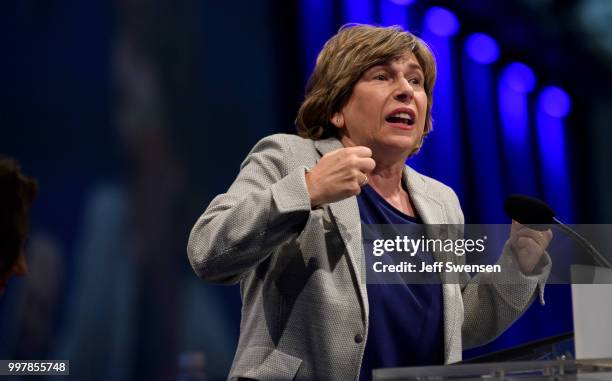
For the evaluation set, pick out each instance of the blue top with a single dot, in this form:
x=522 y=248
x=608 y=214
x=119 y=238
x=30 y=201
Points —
x=405 y=326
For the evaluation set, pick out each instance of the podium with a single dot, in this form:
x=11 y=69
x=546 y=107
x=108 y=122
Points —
x=553 y=370
x=592 y=310
x=591 y=290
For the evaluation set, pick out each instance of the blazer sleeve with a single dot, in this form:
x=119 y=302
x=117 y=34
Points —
x=493 y=301
x=266 y=205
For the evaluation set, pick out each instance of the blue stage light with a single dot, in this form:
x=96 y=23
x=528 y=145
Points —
x=481 y=48
x=519 y=77
x=555 y=102
x=552 y=107
x=516 y=81
x=440 y=25
x=441 y=22
x=481 y=117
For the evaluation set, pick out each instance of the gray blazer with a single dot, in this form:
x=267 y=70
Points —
x=305 y=305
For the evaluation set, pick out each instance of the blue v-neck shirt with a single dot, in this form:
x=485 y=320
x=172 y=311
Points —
x=405 y=320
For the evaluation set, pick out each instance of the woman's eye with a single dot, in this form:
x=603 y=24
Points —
x=415 y=81
x=380 y=77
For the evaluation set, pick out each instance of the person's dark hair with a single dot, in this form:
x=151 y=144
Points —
x=17 y=191
x=343 y=60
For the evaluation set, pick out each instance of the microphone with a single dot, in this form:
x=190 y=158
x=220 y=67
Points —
x=529 y=211
x=539 y=215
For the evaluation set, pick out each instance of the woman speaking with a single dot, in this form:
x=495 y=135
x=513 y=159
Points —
x=289 y=228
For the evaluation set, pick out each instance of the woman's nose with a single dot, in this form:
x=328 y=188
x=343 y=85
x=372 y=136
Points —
x=404 y=91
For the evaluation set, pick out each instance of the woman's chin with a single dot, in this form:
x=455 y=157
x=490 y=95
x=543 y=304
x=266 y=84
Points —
x=395 y=149
x=401 y=142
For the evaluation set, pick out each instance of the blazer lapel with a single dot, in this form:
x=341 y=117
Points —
x=348 y=220
x=433 y=215
x=429 y=209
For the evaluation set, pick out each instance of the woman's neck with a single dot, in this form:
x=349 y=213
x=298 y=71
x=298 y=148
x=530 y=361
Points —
x=387 y=179
x=387 y=182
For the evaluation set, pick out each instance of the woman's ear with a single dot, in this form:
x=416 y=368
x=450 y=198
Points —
x=337 y=119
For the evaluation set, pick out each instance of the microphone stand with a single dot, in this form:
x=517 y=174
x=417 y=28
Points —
x=596 y=255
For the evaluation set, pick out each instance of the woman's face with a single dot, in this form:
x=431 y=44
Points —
x=387 y=109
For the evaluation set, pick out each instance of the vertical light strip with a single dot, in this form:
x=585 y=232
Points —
x=479 y=93
x=441 y=156
x=316 y=27
x=515 y=84
x=553 y=106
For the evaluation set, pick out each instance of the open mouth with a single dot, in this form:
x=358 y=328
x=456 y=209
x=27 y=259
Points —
x=401 y=117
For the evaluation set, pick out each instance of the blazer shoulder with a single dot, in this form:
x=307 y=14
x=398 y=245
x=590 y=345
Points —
x=286 y=140
x=429 y=182
x=287 y=150
x=298 y=147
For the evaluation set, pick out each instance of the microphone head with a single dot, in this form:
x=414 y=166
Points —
x=529 y=211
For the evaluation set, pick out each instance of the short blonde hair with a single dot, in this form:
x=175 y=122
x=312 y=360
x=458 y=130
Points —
x=343 y=60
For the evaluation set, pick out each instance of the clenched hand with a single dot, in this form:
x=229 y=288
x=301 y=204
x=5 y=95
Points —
x=339 y=175
x=528 y=245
